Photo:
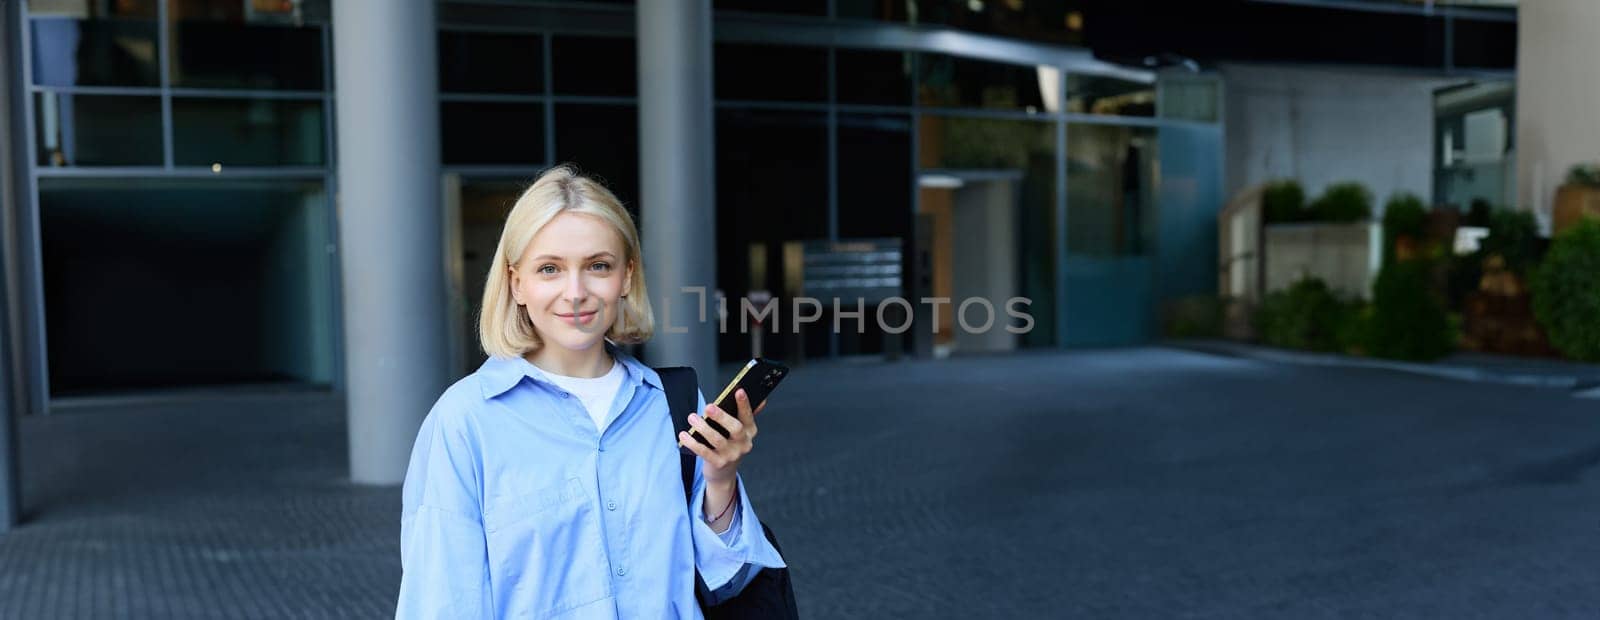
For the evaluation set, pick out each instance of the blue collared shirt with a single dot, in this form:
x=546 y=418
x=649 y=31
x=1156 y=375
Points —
x=516 y=505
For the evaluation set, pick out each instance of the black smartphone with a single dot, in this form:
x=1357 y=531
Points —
x=758 y=378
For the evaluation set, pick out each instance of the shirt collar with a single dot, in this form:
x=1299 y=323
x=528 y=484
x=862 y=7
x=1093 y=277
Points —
x=499 y=374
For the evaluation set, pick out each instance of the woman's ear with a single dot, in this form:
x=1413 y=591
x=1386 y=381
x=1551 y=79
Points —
x=627 y=279
x=515 y=279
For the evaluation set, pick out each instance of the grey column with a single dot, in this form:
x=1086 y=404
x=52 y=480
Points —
x=392 y=248
x=677 y=194
x=10 y=482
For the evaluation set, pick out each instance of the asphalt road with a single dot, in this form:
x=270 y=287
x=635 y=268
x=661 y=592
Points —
x=1143 y=483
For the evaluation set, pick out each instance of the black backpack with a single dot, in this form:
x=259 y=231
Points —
x=770 y=594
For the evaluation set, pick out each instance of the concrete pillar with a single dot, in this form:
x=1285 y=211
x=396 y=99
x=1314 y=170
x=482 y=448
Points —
x=10 y=482
x=1558 y=99
x=391 y=246
x=676 y=188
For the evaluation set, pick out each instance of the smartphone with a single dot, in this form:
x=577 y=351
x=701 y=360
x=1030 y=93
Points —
x=758 y=378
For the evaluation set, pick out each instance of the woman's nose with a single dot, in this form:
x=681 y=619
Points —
x=575 y=291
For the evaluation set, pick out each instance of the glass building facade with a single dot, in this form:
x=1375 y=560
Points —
x=177 y=227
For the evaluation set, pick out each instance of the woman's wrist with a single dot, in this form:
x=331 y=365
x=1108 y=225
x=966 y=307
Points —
x=719 y=500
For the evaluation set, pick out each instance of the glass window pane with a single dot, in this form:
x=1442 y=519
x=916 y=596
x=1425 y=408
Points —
x=95 y=52
x=243 y=259
x=225 y=54
x=597 y=66
x=1189 y=99
x=488 y=133
x=97 y=130
x=947 y=81
x=772 y=187
x=1484 y=44
x=480 y=62
x=1005 y=169
x=874 y=175
x=872 y=77
x=1092 y=94
x=1058 y=21
x=816 y=8
x=603 y=140
x=247 y=132
x=79 y=8
x=771 y=73
x=1110 y=190
x=290 y=12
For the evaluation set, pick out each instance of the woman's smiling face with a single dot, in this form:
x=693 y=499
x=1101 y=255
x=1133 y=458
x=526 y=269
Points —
x=570 y=278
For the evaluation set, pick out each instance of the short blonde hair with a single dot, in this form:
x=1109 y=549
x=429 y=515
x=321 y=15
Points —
x=504 y=329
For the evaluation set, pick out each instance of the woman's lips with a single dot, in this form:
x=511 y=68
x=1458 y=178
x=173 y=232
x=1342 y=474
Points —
x=581 y=317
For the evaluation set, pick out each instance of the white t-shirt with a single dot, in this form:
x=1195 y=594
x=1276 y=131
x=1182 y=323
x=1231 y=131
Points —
x=596 y=393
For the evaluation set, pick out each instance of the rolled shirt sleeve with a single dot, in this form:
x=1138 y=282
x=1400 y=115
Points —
x=728 y=562
x=443 y=553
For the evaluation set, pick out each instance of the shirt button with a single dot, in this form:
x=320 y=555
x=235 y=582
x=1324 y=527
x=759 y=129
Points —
x=621 y=571
x=611 y=505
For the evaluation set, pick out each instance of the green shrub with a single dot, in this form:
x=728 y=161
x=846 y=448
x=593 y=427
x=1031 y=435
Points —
x=1199 y=316
x=1408 y=320
x=1514 y=235
x=1566 y=292
x=1404 y=214
x=1283 y=201
x=1584 y=174
x=1354 y=328
x=1307 y=315
x=1478 y=214
x=1343 y=202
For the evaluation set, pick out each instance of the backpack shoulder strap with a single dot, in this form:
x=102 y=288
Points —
x=682 y=386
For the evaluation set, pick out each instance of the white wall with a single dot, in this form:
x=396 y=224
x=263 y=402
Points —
x=1325 y=125
x=1558 y=95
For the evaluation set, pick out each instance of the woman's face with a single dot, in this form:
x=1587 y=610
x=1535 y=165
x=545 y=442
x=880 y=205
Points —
x=570 y=278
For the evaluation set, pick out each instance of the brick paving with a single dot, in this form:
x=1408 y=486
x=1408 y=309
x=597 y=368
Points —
x=1132 y=483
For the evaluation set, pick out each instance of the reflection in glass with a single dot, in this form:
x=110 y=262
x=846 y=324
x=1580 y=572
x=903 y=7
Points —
x=947 y=81
x=290 y=12
x=1110 y=190
x=94 y=52
x=247 y=132
x=97 y=130
x=1111 y=222
x=189 y=262
x=482 y=62
x=228 y=54
x=1093 y=94
x=1189 y=99
x=771 y=73
x=1057 y=21
x=997 y=177
x=490 y=133
x=81 y=9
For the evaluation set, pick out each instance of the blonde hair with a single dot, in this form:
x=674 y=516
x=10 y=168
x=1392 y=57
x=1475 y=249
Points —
x=504 y=329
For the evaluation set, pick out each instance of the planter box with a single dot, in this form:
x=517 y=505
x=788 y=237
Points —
x=1573 y=203
x=1346 y=256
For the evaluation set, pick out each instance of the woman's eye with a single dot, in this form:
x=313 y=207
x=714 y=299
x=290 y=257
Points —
x=547 y=269
x=601 y=266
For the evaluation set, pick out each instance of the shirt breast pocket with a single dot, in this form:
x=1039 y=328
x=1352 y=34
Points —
x=516 y=508
x=545 y=549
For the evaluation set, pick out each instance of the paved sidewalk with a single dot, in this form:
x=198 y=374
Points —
x=1582 y=379
x=1133 y=483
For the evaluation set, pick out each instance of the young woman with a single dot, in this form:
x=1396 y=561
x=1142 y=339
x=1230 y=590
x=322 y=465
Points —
x=546 y=484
